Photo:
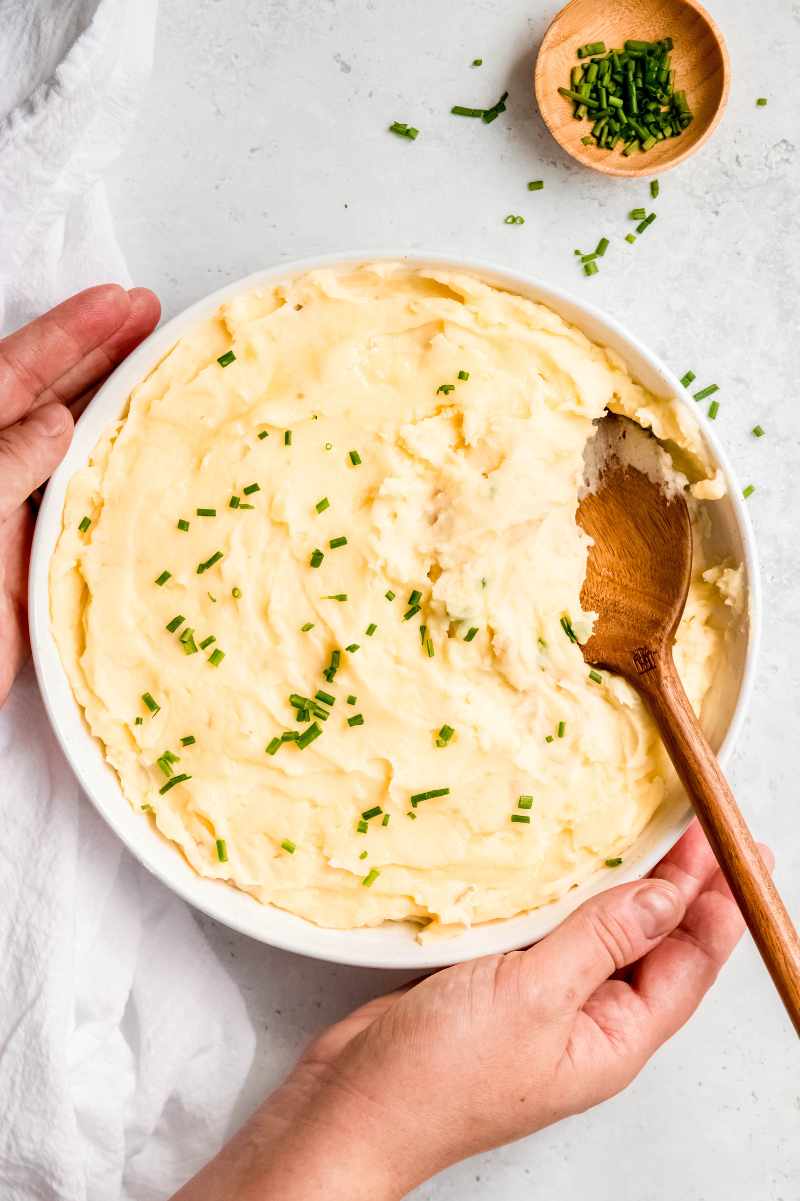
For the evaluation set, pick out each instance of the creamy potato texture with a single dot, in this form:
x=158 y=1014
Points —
x=418 y=434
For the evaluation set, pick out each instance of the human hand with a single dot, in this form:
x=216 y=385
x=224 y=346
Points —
x=490 y=1050
x=49 y=370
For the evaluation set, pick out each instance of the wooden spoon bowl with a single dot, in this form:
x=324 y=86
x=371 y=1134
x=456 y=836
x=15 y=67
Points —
x=700 y=59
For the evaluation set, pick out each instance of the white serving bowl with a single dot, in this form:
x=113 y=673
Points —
x=391 y=945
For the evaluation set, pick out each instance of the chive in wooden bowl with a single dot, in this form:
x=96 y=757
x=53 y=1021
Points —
x=699 y=59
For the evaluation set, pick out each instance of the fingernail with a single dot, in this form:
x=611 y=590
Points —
x=659 y=907
x=52 y=419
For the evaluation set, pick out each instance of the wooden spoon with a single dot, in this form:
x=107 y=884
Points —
x=637 y=579
x=700 y=59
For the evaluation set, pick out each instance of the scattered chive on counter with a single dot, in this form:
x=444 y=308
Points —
x=478 y=62
x=761 y=102
x=757 y=431
x=706 y=392
x=748 y=491
x=535 y=185
x=486 y=114
x=514 y=219
x=713 y=409
x=404 y=130
x=688 y=378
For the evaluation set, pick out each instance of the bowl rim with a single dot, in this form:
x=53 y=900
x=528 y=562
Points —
x=299 y=935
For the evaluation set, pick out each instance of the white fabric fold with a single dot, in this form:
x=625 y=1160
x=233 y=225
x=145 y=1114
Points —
x=123 y=1041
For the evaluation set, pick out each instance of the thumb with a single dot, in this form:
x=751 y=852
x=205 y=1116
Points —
x=607 y=933
x=29 y=452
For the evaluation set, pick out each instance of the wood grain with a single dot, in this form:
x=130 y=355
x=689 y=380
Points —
x=637 y=579
x=700 y=59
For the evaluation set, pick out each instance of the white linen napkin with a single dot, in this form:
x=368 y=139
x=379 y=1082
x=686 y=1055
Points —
x=123 y=1041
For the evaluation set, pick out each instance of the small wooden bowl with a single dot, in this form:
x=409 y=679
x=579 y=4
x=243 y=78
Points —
x=700 y=59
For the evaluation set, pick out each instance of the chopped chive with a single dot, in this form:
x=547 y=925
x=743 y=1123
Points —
x=460 y=110
x=263 y=434
x=427 y=796
x=385 y=819
x=444 y=735
x=209 y=563
x=748 y=491
x=222 y=850
x=309 y=625
x=477 y=62
x=757 y=431
x=151 y=704
x=631 y=238
x=566 y=626
x=522 y=818
x=414 y=597
x=187 y=641
x=590 y=268
x=536 y=185
x=354 y=457
x=183 y=524
x=390 y=595
x=412 y=815
x=412 y=612
x=591 y=48
x=173 y=780
x=288 y=846
x=188 y=740
x=336 y=542
x=206 y=512
x=236 y=593
x=525 y=802
x=595 y=677
x=325 y=697
x=316 y=558
x=244 y=506
x=446 y=389
x=351 y=699
x=602 y=247
x=84 y=524
x=225 y=359
x=713 y=409
x=309 y=734
x=470 y=634
x=251 y=488
x=213 y=599
x=688 y=378
x=363 y=854
x=404 y=130
x=234 y=502
x=370 y=630
x=514 y=219
x=337 y=596
x=137 y=721
x=177 y=620
x=423 y=630
x=430 y=650
x=352 y=647
x=463 y=375
x=548 y=738
x=761 y=102
x=289 y=736
x=361 y=827
x=287 y=437
x=614 y=862
x=561 y=729
x=375 y=811
x=371 y=877
x=637 y=214
x=273 y=745
x=216 y=657
x=654 y=188
x=206 y=643
x=356 y=720
x=162 y=579
x=705 y=392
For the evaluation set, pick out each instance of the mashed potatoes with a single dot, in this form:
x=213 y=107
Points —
x=343 y=510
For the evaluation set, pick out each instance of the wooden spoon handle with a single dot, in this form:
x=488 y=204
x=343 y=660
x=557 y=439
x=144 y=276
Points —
x=733 y=844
